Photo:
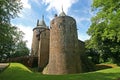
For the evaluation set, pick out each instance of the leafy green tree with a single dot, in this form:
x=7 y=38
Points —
x=92 y=53
x=6 y=41
x=8 y=10
x=12 y=45
x=105 y=29
x=21 y=49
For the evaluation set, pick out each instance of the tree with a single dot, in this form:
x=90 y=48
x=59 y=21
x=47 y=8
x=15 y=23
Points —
x=92 y=53
x=105 y=29
x=6 y=40
x=19 y=46
x=8 y=10
x=12 y=44
x=21 y=49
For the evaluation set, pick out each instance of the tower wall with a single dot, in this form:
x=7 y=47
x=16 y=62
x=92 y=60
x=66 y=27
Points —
x=35 y=43
x=43 y=55
x=63 y=57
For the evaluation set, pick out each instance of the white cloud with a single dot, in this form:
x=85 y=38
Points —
x=28 y=34
x=26 y=4
x=57 y=4
x=83 y=37
x=80 y=21
x=26 y=8
x=21 y=15
x=83 y=19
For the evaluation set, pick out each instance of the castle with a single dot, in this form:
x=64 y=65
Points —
x=57 y=48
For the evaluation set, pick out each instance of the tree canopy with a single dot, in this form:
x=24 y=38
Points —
x=9 y=9
x=10 y=36
x=105 y=29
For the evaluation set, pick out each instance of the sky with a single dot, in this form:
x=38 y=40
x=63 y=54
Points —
x=33 y=10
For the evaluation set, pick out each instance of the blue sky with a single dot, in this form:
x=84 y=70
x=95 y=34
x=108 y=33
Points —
x=34 y=9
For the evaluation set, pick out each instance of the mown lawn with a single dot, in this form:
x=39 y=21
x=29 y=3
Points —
x=18 y=71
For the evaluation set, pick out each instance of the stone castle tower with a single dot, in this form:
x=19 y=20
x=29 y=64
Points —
x=63 y=56
x=40 y=43
x=57 y=47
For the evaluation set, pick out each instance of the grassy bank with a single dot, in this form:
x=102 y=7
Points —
x=18 y=71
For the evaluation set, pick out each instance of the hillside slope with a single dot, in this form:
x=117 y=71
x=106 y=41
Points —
x=18 y=71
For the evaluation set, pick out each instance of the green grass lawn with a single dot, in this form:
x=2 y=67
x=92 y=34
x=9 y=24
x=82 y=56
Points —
x=18 y=71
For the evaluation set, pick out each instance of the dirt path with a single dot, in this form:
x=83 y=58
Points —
x=3 y=66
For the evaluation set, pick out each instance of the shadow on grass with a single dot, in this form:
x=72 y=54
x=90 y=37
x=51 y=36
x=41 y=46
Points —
x=86 y=76
x=118 y=79
x=100 y=67
x=97 y=76
x=37 y=76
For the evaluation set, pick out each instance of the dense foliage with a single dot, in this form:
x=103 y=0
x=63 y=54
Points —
x=105 y=29
x=9 y=10
x=20 y=49
x=10 y=36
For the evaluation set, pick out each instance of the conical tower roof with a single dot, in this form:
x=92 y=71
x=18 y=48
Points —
x=62 y=13
x=41 y=23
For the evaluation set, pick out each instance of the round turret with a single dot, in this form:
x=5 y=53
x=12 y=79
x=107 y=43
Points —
x=63 y=57
x=41 y=26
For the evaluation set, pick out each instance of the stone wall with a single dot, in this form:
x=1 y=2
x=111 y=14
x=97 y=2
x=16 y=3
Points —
x=63 y=57
x=35 y=43
x=81 y=47
x=43 y=53
x=28 y=61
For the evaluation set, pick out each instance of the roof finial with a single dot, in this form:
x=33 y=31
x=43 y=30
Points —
x=37 y=22
x=62 y=13
x=62 y=8
x=43 y=17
